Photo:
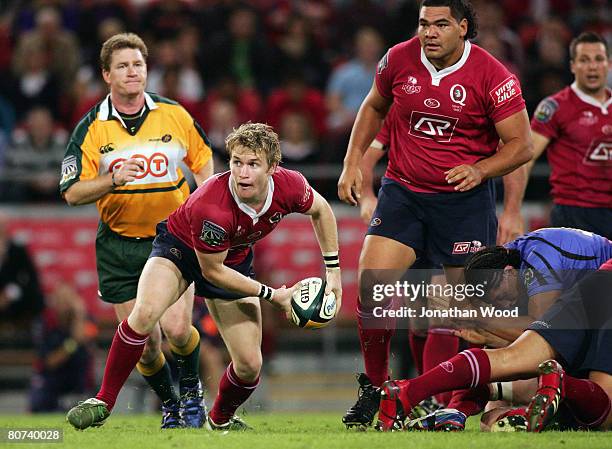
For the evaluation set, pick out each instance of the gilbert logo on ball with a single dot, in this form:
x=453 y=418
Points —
x=311 y=308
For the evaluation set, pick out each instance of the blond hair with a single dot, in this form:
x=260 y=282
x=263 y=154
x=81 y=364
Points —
x=258 y=137
x=119 y=42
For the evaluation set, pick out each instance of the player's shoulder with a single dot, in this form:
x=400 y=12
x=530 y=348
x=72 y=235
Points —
x=484 y=64
x=214 y=190
x=404 y=48
x=286 y=175
x=169 y=106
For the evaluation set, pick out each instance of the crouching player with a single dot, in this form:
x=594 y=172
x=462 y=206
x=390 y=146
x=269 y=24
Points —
x=576 y=330
x=208 y=241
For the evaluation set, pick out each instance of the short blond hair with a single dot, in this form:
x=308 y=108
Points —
x=119 y=42
x=258 y=137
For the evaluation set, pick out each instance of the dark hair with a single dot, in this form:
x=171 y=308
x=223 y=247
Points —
x=459 y=9
x=487 y=265
x=587 y=37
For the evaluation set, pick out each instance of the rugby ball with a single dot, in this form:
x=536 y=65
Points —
x=311 y=308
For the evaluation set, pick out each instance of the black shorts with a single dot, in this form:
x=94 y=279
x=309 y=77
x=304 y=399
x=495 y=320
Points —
x=592 y=219
x=578 y=326
x=444 y=228
x=170 y=247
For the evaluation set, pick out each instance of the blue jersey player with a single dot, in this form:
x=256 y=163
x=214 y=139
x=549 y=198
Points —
x=533 y=270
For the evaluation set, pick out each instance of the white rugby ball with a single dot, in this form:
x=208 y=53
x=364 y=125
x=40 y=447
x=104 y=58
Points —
x=311 y=308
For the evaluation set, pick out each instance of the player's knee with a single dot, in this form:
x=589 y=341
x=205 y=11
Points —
x=248 y=368
x=178 y=332
x=142 y=319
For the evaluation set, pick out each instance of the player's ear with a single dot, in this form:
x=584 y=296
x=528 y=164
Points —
x=106 y=76
x=272 y=168
x=463 y=25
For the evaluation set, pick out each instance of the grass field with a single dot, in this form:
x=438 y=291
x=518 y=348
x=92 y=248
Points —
x=296 y=431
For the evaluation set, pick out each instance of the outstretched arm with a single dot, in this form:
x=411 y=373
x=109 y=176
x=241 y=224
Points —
x=227 y=278
x=326 y=230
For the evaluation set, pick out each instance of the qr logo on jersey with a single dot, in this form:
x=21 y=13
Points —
x=467 y=247
x=600 y=153
x=212 y=234
x=426 y=125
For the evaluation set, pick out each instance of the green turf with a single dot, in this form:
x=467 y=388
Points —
x=290 y=431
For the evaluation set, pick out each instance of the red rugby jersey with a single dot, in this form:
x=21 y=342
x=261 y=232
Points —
x=580 y=148
x=213 y=219
x=443 y=118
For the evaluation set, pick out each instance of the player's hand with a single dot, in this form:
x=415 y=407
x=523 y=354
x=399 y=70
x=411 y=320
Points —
x=349 y=185
x=282 y=298
x=468 y=177
x=367 y=204
x=128 y=171
x=333 y=280
x=510 y=226
x=481 y=337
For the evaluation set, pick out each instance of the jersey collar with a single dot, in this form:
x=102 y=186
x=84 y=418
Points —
x=591 y=100
x=437 y=75
x=248 y=209
x=108 y=111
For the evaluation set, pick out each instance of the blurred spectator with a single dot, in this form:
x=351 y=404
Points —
x=189 y=86
x=21 y=298
x=222 y=119
x=507 y=43
x=64 y=340
x=350 y=83
x=87 y=90
x=247 y=100
x=94 y=13
x=59 y=47
x=35 y=154
x=491 y=42
x=297 y=50
x=357 y=14
x=163 y=19
x=298 y=144
x=296 y=96
x=243 y=51
x=33 y=84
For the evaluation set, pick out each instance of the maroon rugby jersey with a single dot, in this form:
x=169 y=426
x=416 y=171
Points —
x=213 y=219
x=443 y=118
x=580 y=148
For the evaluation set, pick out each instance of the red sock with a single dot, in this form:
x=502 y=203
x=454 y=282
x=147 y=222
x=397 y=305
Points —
x=440 y=346
x=588 y=401
x=468 y=369
x=417 y=347
x=124 y=353
x=233 y=392
x=470 y=401
x=375 y=339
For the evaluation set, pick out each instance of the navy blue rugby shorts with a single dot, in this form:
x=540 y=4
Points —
x=444 y=228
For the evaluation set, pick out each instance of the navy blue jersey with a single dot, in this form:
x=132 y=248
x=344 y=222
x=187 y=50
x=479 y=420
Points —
x=556 y=258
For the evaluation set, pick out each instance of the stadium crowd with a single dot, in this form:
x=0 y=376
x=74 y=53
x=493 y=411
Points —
x=302 y=66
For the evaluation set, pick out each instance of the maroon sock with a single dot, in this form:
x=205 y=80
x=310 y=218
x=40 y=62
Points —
x=588 y=401
x=417 y=347
x=375 y=339
x=233 y=392
x=468 y=369
x=124 y=353
x=441 y=345
x=470 y=401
